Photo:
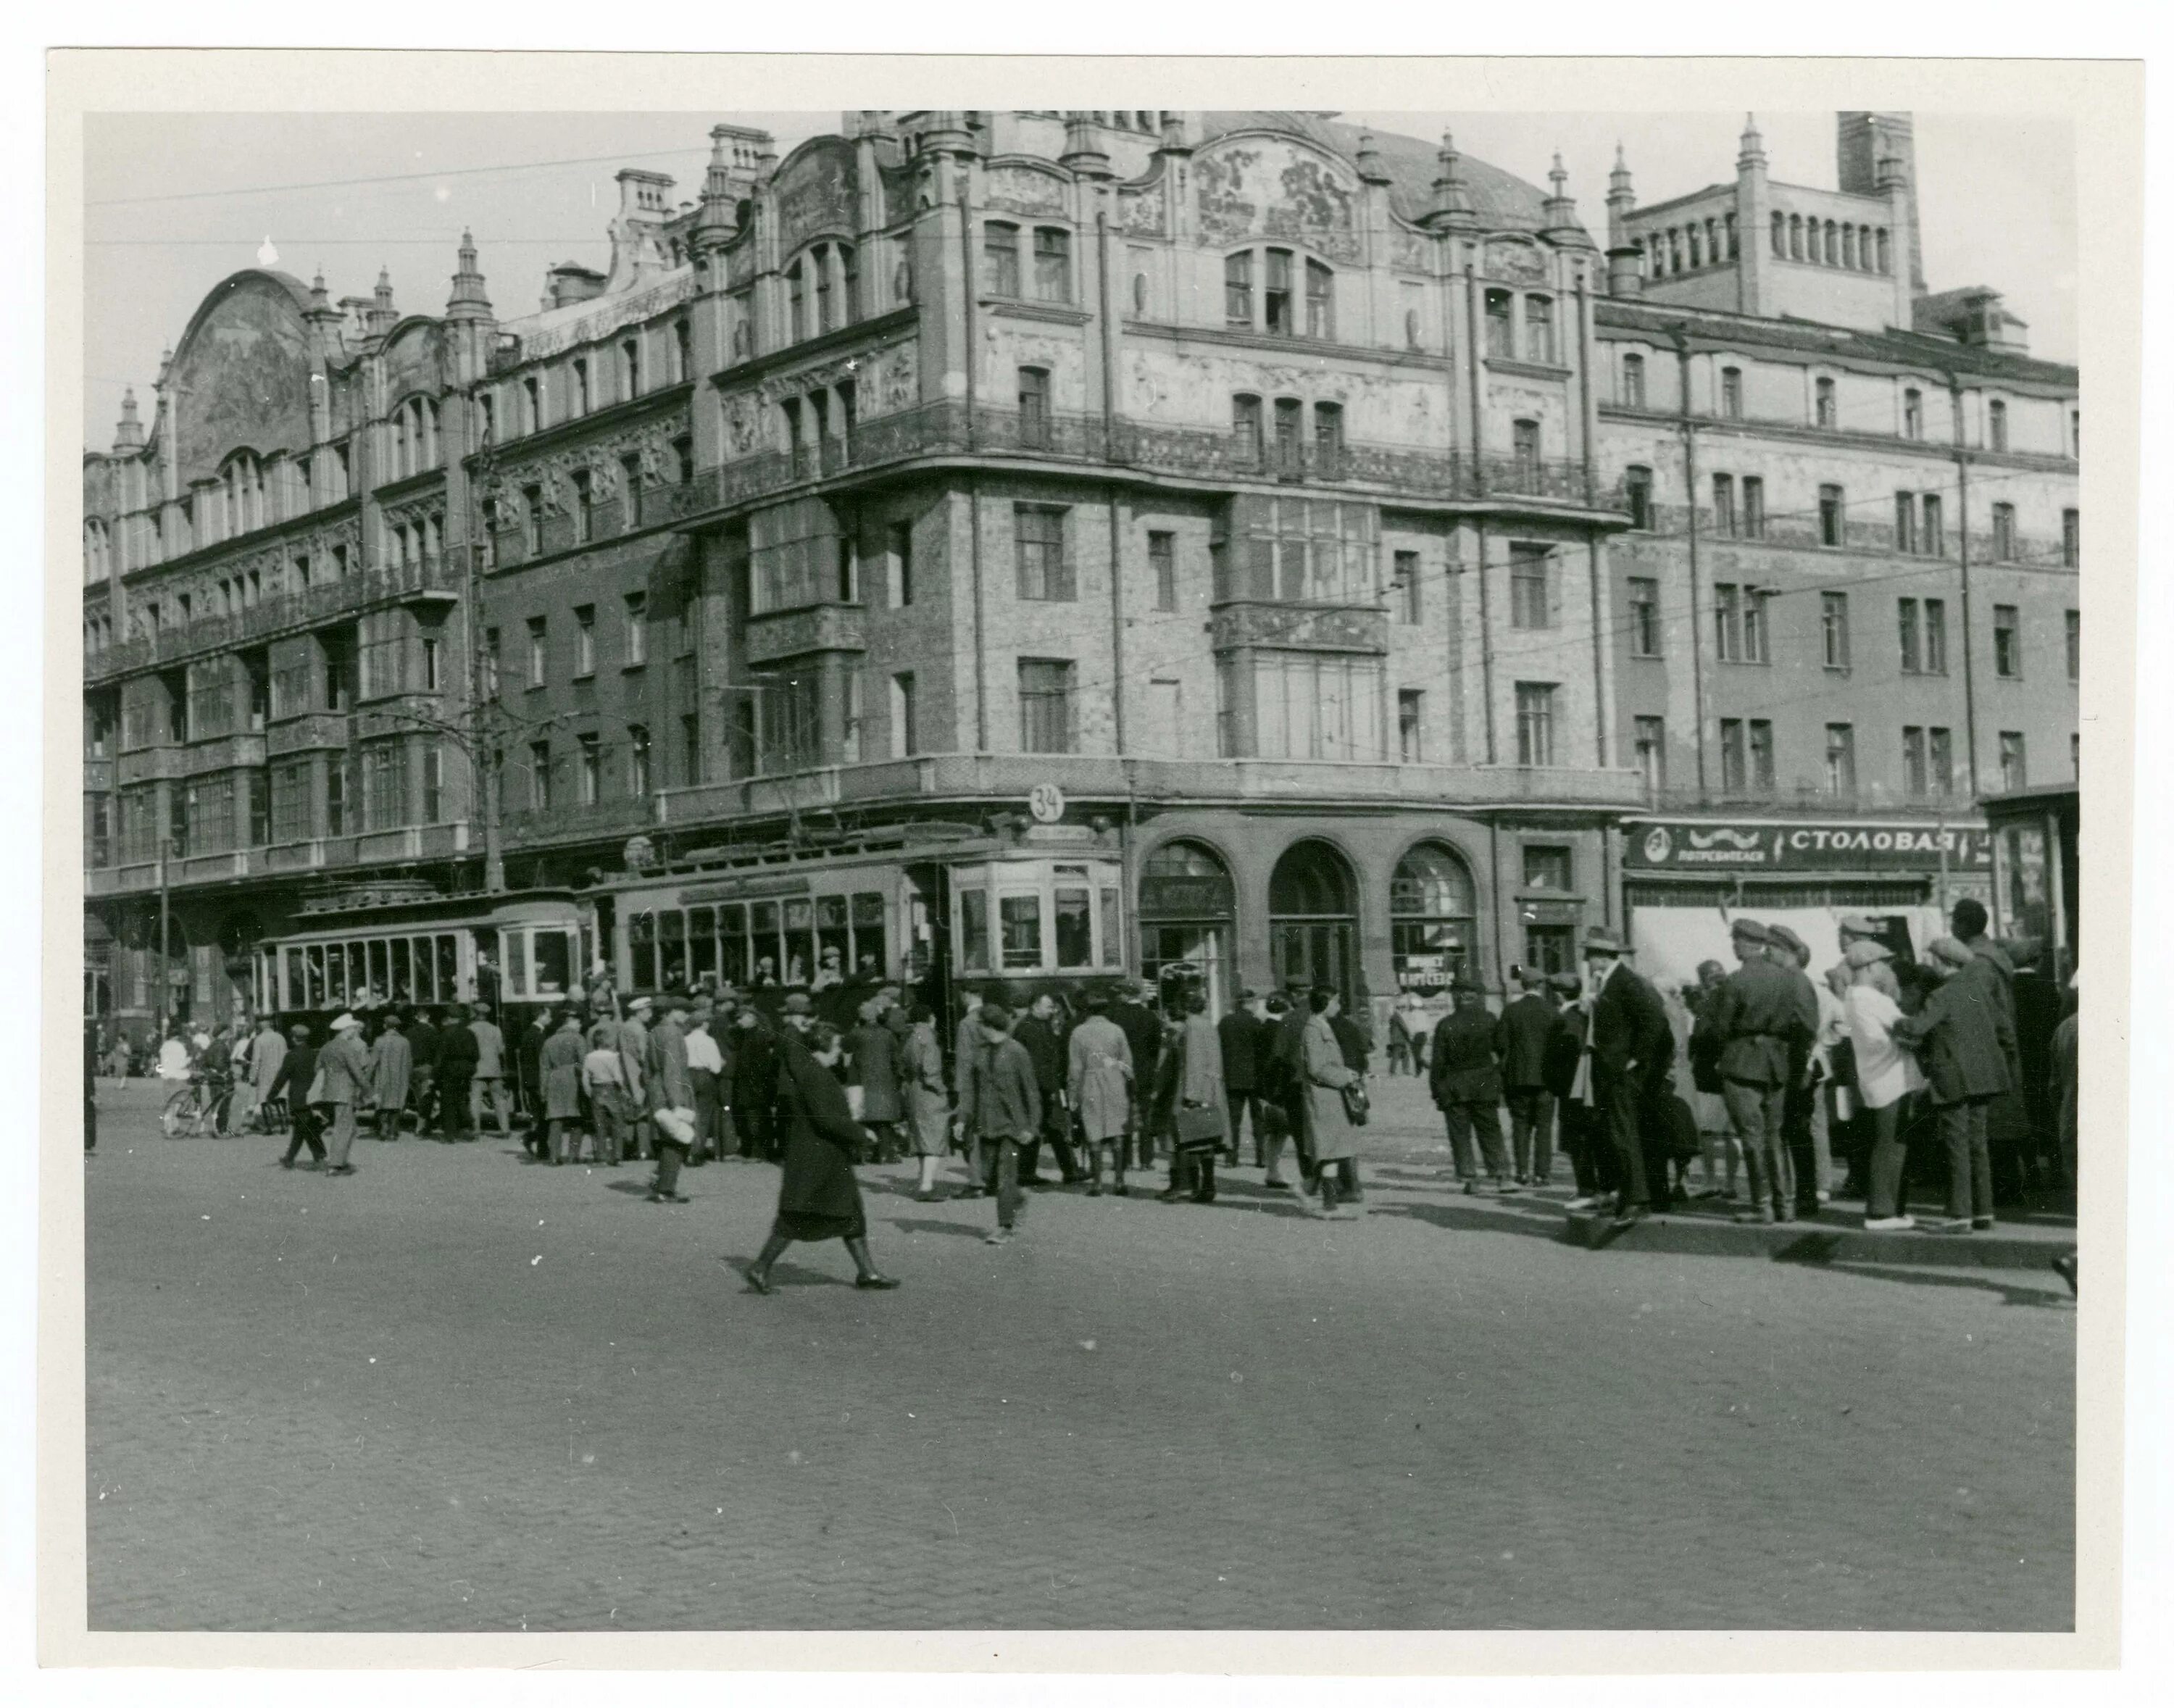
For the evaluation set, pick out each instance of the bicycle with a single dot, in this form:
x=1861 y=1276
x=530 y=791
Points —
x=196 y=1110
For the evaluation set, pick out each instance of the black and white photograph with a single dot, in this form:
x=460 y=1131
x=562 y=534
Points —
x=1178 y=870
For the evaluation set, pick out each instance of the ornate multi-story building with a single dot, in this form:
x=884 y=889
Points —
x=1020 y=544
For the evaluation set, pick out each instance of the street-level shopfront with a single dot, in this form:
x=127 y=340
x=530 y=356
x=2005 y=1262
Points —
x=1684 y=880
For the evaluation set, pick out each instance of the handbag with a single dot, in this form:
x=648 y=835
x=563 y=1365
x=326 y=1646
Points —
x=1357 y=1106
x=1199 y=1127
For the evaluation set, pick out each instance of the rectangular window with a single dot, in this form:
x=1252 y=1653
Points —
x=1053 y=264
x=1328 y=441
x=1906 y=522
x=637 y=628
x=1045 y=691
x=1276 y=294
x=1732 y=393
x=1320 y=301
x=1916 y=781
x=1238 y=288
x=531 y=521
x=1525 y=450
x=1724 y=504
x=637 y=761
x=1936 y=637
x=290 y=801
x=2007 y=642
x=795 y=302
x=434 y=783
x=1406 y=582
x=1530 y=605
x=1547 y=867
x=584 y=508
x=631 y=366
x=1842 y=758
x=385 y=786
x=1536 y=723
x=1540 y=330
x=1734 y=756
x=338 y=821
x=1762 y=753
x=2014 y=771
x=1905 y=628
x=1043 y=570
x=1754 y=507
x=591 y=771
x=1411 y=706
x=1913 y=414
x=1755 y=632
x=2003 y=533
x=1162 y=563
x=581 y=387
x=1644 y=617
x=1941 y=759
x=1932 y=538
x=1728 y=622
x=1638 y=497
x=1995 y=422
x=1033 y=408
x=904 y=731
x=2072 y=539
x=1650 y=746
x=536 y=652
x=584 y=642
x=430 y=645
x=1834 y=631
x=851 y=715
x=532 y=389
x=2074 y=634
x=1830 y=516
x=1246 y=430
x=1501 y=340
x=901 y=564
x=1823 y=403
x=1001 y=258
x=630 y=483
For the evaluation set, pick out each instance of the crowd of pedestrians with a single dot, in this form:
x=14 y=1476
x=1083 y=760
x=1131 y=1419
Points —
x=1763 y=1074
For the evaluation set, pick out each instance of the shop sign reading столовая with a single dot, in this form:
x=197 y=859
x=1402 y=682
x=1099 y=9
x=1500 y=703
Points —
x=1704 y=845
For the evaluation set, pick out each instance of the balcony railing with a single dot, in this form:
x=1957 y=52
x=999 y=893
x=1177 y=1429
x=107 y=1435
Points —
x=951 y=428
x=301 y=609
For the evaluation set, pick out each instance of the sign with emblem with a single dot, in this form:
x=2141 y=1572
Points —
x=1046 y=800
x=1704 y=846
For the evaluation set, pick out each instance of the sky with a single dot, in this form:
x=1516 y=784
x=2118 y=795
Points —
x=176 y=202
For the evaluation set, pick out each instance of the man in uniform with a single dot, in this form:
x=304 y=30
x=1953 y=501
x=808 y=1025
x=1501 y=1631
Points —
x=1632 y=1051
x=1803 y=1111
x=1760 y=1013
x=1468 y=1086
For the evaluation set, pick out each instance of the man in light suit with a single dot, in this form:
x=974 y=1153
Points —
x=343 y=1065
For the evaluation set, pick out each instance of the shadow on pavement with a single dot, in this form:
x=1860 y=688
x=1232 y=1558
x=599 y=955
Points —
x=1457 y=1217
x=929 y=1225
x=2055 y=1296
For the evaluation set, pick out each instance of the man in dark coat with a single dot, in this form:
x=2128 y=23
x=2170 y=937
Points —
x=1760 y=1013
x=458 y=1052
x=1966 y=1041
x=1522 y=1035
x=1143 y=1033
x=423 y=1035
x=528 y=1077
x=1568 y=1083
x=1038 y=1032
x=754 y=1086
x=1239 y=1032
x=1633 y=1048
x=1468 y=1086
x=1003 y=1109
x=2008 y=1123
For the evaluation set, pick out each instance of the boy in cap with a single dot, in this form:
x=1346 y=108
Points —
x=1761 y=1014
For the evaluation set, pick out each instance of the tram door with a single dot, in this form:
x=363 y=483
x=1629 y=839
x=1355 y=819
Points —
x=1313 y=926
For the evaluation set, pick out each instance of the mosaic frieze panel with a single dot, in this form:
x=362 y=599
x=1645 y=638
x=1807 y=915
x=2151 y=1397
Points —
x=1264 y=188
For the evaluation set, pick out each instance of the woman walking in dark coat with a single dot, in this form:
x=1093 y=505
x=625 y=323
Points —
x=817 y=1198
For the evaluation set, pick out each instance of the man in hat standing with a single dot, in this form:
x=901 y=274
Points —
x=636 y=1068
x=390 y=1062
x=1521 y=1036
x=1632 y=1050
x=457 y=1056
x=489 y=1078
x=343 y=1065
x=1966 y=1041
x=1239 y=1032
x=1804 y=1108
x=1762 y=1013
x=1466 y=1084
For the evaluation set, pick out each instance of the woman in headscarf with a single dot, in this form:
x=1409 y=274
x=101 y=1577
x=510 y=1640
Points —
x=817 y=1198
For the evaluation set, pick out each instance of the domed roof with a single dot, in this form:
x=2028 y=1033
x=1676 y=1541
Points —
x=1501 y=201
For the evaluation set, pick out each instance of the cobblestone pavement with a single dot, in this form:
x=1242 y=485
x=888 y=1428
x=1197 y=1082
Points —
x=457 y=1392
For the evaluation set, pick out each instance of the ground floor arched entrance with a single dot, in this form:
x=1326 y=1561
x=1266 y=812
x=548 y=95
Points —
x=1313 y=919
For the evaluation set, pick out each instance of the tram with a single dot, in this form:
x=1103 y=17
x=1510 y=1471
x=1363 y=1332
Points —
x=393 y=945
x=2034 y=895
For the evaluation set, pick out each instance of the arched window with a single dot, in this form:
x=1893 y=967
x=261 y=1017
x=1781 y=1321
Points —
x=1431 y=914
x=1634 y=382
x=1834 y=245
x=1186 y=911
x=1885 y=265
x=1796 y=237
x=1313 y=919
x=1781 y=234
x=1692 y=252
x=1320 y=301
x=1849 y=247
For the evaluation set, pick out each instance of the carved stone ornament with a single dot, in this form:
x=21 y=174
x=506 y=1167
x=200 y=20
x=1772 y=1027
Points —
x=1519 y=262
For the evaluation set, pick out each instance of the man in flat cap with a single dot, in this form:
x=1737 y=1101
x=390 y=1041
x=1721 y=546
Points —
x=1633 y=1049
x=1804 y=1108
x=1762 y=1013
x=1965 y=1039
x=1466 y=1084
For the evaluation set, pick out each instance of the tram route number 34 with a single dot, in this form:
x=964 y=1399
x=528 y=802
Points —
x=1046 y=800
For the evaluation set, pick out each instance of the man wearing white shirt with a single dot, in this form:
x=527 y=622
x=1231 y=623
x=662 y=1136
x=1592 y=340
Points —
x=1886 y=1074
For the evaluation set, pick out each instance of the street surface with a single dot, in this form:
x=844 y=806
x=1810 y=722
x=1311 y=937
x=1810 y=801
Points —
x=459 y=1392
